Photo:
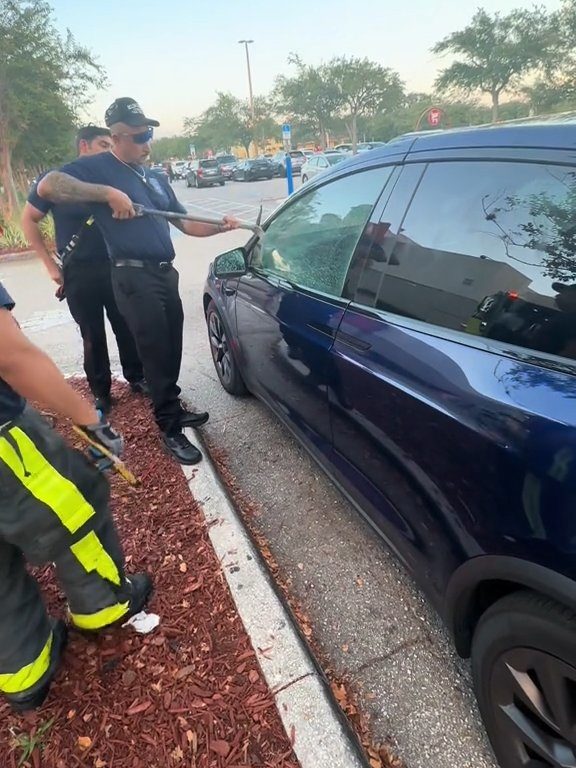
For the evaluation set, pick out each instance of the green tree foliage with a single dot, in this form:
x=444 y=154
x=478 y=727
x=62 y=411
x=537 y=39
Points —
x=493 y=53
x=170 y=147
x=45 y=81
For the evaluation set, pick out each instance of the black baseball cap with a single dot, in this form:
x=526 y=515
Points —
x=128 y=111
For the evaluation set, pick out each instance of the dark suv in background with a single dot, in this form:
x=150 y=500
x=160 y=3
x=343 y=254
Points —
x=204 y=173
x=227 y=164
x=410 y=315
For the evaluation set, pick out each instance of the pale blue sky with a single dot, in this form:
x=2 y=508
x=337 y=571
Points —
x=174 y=55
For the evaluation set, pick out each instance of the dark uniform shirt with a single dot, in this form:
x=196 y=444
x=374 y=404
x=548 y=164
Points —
x=144 y=238
x=11 y=404
x=69 y=220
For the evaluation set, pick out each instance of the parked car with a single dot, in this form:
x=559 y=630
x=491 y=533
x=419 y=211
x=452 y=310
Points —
x=343 y=148
x=180 y=169
x=204 y=173
x=251 y=170
x=298 y=159
x=227 y=164
x=160 y=170
x=410 y=315
x=321 y=162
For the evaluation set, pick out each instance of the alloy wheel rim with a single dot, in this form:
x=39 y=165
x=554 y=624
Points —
x=220 y=349
x=534 y=700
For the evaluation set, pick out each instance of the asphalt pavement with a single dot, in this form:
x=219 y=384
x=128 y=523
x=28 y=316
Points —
x=368 y=616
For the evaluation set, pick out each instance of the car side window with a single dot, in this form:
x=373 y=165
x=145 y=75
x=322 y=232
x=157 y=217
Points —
x=488 y=248
x=312 y=162
x=311 y=242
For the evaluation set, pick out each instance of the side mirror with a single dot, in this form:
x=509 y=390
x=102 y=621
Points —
x=231 y=264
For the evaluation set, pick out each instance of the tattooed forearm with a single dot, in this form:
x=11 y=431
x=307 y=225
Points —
x=61 y=188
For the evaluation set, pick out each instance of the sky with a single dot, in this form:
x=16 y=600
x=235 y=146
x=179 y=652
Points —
x=173 y=56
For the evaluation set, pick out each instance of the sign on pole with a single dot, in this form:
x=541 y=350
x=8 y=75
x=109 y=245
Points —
x=192 y=150
x=434 y=117
x=286 y=131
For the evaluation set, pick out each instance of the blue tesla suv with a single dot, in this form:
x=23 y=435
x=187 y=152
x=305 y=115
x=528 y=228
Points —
x=410 y=316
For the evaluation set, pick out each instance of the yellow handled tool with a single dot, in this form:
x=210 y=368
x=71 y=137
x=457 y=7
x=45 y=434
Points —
x=116 y=464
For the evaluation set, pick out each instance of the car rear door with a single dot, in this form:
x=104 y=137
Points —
x=289 y=305
x=449 y=433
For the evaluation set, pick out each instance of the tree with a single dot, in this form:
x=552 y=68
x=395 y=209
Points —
x=495 y=52
x=169 y=147
x=45 y=80
x=229 y=122
x=364 y=88
x=309 y=97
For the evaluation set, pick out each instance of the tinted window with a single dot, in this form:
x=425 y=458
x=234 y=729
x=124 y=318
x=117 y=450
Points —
x=311 y=242
x=296 y=153
x=224 y=159
x=488 y=248
x=209 y=163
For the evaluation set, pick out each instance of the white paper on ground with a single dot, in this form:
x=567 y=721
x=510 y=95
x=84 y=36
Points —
x=143 y=622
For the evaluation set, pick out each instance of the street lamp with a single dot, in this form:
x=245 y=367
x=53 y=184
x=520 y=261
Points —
x=246 y=43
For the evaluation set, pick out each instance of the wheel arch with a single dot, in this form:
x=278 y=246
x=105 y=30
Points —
x=480 y=582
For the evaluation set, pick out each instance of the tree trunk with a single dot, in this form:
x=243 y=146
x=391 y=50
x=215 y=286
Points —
x=354 y=133
x=495 y=105
x=9 y=198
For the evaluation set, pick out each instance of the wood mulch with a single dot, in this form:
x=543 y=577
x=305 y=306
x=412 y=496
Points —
x=189 y=695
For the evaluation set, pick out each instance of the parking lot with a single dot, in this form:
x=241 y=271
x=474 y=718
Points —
x=370 y=620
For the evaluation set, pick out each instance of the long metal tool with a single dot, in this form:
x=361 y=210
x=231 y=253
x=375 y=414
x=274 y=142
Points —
x=141 y=210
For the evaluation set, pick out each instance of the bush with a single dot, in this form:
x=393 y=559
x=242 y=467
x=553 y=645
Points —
x=12 y=238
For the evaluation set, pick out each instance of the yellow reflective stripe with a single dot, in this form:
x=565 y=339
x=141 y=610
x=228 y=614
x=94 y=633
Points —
x=44 y=481
x=100 y=619
x=93 y=557
x=18 y=682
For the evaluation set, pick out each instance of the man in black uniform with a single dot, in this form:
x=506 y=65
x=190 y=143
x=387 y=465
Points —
x=143 y=275
x=86 y=278
x=53 y=509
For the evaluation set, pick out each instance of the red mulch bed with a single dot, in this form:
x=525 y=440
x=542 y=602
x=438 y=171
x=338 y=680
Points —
x=190 y=694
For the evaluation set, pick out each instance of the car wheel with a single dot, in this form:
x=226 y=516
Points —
x=222 y=357
x=524 y=668
x=222 y=183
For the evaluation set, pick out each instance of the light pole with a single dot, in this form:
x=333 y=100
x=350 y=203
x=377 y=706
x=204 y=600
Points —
x=246 y=43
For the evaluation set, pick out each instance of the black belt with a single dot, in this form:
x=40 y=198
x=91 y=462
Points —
x=163 y=266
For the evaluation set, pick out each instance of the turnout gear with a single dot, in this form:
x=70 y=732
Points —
x=53 y=509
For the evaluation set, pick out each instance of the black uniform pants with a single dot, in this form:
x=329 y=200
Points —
x=89 y=292
x=148 y=298
x=53 y=509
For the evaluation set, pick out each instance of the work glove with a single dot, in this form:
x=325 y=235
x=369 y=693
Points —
x=105 y=435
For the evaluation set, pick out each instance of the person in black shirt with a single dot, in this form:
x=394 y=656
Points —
x=141 y=250
x=86 y=279
x=53 y=509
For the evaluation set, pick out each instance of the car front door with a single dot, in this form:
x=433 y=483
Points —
x=289 y=305
x=439 y=415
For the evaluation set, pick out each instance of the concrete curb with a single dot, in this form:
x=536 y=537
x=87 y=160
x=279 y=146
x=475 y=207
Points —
x=22 y=256
x=310 y=716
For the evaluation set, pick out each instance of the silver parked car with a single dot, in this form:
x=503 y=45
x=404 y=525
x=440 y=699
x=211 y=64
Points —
x=321 y=162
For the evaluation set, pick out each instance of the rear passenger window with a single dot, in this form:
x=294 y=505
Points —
x=488 y=248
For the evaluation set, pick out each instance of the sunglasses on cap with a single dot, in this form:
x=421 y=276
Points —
x=140 y=138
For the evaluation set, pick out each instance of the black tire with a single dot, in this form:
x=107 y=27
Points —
x=524 y=669
x=222 y=183
x=222 y=356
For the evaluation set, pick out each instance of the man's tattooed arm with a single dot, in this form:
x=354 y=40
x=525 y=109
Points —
x=59 y=187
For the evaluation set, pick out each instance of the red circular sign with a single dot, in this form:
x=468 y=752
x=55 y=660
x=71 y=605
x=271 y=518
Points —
x=434 y=116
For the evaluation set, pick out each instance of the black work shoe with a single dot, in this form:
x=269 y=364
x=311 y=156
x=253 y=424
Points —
x=104 y=404
x=182 y=449
x=34 y=697
x=194 y=420
x=140 y=387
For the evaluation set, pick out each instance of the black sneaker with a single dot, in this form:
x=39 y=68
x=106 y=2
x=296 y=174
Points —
x=104 y=404
x=191 y=419
x=140 y=387
x=34 y=697
x=182 y=449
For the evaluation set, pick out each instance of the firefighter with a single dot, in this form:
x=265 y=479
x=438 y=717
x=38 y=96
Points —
x=53 y=509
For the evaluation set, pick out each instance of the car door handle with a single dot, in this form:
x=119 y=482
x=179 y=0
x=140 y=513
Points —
x=352 y=341
x=229 y=291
